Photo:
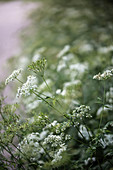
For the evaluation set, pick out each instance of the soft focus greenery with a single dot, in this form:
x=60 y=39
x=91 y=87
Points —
x=65 y=116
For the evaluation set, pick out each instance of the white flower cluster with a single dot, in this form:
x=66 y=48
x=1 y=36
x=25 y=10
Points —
x=54 y=140
x=13 y=76
x=104 y=76
x=40 y=119
x=57 y=146
x=58 y=155
x=59 y=128
x=53 y=124
x=34 y=145
x=82 y=111
x=65 y=125
x=27 y=87
x=31 y=148
x=109 y=95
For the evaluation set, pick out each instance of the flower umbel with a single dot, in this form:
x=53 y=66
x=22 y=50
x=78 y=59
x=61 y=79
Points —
x=104 y=76
x=13 y=76
x=38 y=66
x=27 y=87
x=82 y=111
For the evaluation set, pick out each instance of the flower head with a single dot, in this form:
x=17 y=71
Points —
x=104 y=76
x=27 y=87
x=79 y=113
x=13 y=76
x=82 y=111
x=38 y=66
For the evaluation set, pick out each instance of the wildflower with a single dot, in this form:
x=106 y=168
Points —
x=55 y=140
x=80 y=112
x=30 y=146
x=57 y=156
x=27 y=87
x=57 y=146
x=13 y=76
x=104 y=76
x=38 y=66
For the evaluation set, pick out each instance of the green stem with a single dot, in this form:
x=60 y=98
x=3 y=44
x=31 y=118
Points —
x=103 y=105
x=38 y=95
x=48 y=103
x=19 y=80
x=46 y=84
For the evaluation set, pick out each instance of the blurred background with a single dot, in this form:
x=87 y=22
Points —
x=13 y=18
x=54 y=24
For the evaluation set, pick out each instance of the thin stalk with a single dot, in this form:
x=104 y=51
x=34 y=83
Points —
x=46 y=83
x=19 y=80
x=48 y=103
x=103 y=105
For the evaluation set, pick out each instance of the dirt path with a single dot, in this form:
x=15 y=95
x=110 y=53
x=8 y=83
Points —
x=13 y=17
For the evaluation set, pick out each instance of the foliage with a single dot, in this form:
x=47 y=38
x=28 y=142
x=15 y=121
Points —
x=74 y=142
x=66 y=119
